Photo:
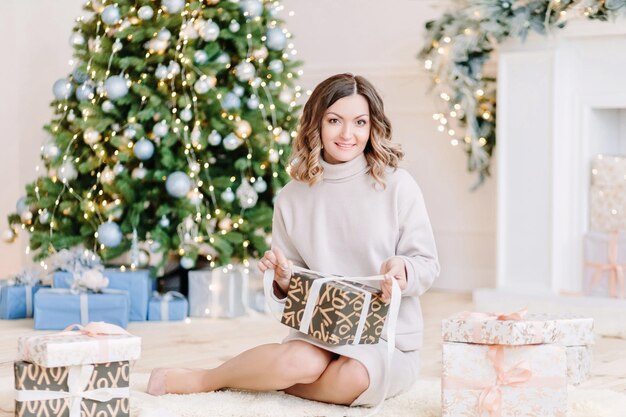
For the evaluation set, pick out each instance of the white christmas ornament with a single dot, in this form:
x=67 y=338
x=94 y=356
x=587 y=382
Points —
x=283 y=138
x=62 y=89
x=145 y=13
x=139 y=173
x=44 y=216
x=173 y=6
x=110 y=15
x=144 y=149
x=130 y=132
x=209 y=31
x=77 y=39
x=234 y=26
x=91 y=136
x=245 y=71
x=174 y=68
x=116 y=87
x=71 y=116
x=195 y=136
x=110 y=234
x=118 y=168
x=273 y=157
x=26 y=217
x=276 y=65
x=232 y=142
x=228 y=195
x=67 y=172
x=186 y=114
x=161 y=72
x=243 y=129
x=117 y=45
x=238 y=90
x=214 y=138
x=223 y=58
x=275 y=39
x=286 y=96
x=188 y=32
x=107 y=176
x=260 y=185
x=195 y=197
x=231 y=101
x=200 y=57
x=160 y=129
x=178 y=184
x=246 y=195
x=8 y=236
x=50 y=151
x=194 y=167
x=251 y=8
x=21 y=206
x=108 y=106
x=253 y=102
x=164 y=222
x=187 y=263
x=84 y=92
x=260 y=53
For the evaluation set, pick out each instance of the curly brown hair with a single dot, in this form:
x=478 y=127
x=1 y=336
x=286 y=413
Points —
x=380 y=151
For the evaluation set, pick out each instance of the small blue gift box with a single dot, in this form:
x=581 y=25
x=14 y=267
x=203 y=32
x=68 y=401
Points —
x=16 y=300
x=137 y=283
x=169 y=306
x=57 y=308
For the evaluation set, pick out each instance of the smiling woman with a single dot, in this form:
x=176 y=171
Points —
x=345 y=129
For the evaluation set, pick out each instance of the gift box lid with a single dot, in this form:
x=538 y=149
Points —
x=97 y=342
x=518 y=329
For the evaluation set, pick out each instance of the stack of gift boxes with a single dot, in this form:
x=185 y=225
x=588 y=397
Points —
x=510 y=365
x=83 y=372
x=605 y=243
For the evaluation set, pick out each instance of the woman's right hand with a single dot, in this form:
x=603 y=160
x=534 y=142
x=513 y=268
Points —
x=275 y=259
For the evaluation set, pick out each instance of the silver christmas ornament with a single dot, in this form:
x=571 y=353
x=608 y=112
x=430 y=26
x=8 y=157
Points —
x=253 y=102
x=62 y=89
x=209 y=31
x=251 y=8
x=110 y=234
x=110 y=15
x=108 y=106
x=228 y=195
x=186 y=114
x=245 y=71
x=200 y=57
x=164 y=222
x=84 y=92
x=173 y=6
x=276 y=65
x=145 y=13
x=178 y=184
x=231 y=101
x=276 y=39
x=232 y=142
x=246 y=195
x=139 y=173
x=144 y=149
x=260 y=185
x=160 y=129
x=91 y=136
x=115 y=87
x=234 y=26
x=214 y=138
x=77 y=39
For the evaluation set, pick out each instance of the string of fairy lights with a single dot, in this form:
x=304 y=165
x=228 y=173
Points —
x=99 y=207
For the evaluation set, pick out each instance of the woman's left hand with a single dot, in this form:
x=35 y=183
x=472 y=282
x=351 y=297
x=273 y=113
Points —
x=392 y=268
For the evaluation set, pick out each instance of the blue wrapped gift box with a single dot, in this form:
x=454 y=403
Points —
x=137 y=283
x=57 y=308
x=15 y=302
x=168 y=307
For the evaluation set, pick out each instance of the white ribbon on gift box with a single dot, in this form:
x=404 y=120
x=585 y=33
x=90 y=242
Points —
x=165 y=300
x=77 y=379
x=392 y=314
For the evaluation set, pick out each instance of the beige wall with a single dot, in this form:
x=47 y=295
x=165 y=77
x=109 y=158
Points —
x=376 y=39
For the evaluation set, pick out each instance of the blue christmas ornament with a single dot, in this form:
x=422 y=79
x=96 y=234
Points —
x=145 y=13
x=231 y=101
x=115 y=87
x=21 y=206
x=173 y=6
x=110 y=234
x=232 y=142
x=143 y=149
x=276 y=65
x=201 y=57
x=84 y=92
x=110 y=15
x=178 y=184
x=79 y=75
x=62 y=89
x=275 y=39
x=251 y=8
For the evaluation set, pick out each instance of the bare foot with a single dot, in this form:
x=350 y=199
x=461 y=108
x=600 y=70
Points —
x=177 y=381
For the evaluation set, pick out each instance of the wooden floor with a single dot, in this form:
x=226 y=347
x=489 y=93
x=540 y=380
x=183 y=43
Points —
x=208 y=342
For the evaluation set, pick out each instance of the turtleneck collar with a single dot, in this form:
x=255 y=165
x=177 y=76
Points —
x=345 y=170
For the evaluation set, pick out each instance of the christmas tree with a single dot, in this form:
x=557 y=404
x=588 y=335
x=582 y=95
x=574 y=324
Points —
x=170 y=136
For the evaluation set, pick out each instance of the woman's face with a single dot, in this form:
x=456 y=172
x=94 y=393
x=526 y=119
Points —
x=345 y=129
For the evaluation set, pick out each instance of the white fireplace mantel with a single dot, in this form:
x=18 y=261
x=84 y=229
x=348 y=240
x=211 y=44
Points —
x=561 y=100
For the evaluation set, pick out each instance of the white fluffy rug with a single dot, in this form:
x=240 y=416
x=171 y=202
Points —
x=423 y=400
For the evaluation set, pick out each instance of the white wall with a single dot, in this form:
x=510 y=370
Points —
x=379 y=40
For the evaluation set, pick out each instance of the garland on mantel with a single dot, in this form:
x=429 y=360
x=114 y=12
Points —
x=460 y=42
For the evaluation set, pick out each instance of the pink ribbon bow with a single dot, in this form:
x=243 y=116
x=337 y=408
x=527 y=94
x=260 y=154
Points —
x=490 y=398
x=472 y=315
x=616 y=271
x=96 y=328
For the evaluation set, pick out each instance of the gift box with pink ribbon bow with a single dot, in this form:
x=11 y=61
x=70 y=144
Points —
x=499 y=364
x=83 y=370
x=605 y=260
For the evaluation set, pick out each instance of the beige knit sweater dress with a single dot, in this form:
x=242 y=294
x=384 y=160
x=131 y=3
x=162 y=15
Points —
x=347 y=226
